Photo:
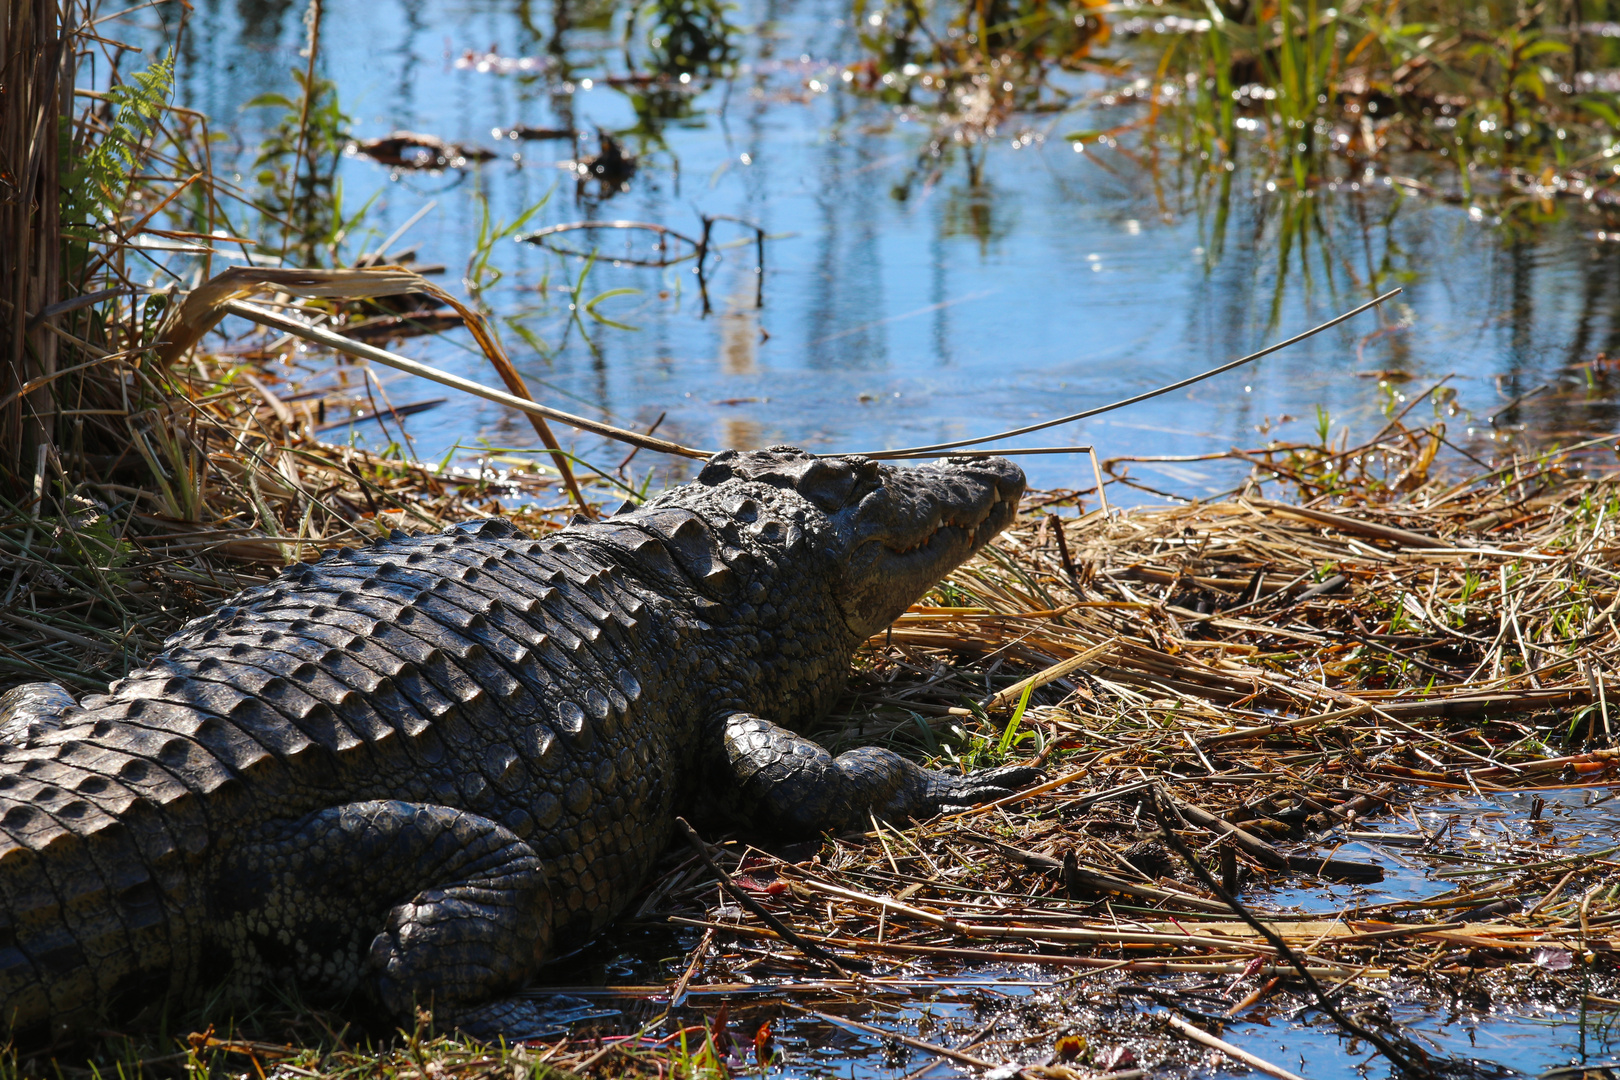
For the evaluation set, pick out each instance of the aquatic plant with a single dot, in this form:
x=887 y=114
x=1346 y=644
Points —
x=1312 y=93
x=1251 y=108
x=296 y=169
x=297 y=163
x=939 y=52
x=481 y=273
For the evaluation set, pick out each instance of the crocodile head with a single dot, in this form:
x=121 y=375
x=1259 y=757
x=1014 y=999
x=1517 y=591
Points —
x=881 y=536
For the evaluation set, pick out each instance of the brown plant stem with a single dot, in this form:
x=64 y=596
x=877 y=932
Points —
x=809 y=948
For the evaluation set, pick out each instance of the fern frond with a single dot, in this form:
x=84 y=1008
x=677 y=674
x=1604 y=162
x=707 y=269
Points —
x=95 y=181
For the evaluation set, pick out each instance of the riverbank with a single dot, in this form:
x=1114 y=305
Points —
x=1375 y=718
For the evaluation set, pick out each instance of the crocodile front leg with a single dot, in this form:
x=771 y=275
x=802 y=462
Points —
x=793 y=786
x=414 y=905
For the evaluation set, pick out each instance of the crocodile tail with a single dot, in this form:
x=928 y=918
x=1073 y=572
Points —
x=85 y=938
x=29 y=710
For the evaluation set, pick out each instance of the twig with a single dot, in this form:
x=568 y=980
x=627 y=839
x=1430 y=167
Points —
x=1004 y=698
x=677 y=995
x=904 y=1040
x=1254 y=1061
x=1267 y=853
x=380 y=356
x=936 y=447
x=809 y=948
x=1403 y=537
x=1386 y=1047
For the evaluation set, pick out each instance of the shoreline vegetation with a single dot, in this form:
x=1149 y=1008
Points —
x=1224 y=692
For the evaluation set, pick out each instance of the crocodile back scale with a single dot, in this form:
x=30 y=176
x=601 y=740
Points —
x=406 y=775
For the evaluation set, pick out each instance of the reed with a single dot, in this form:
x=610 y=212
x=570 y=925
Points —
x=1500 y=96
x=35 y=89
x=143 y=482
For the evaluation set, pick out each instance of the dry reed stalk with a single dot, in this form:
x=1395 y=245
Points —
x=35 y=91
x=1260 y=1064
x=207 y=304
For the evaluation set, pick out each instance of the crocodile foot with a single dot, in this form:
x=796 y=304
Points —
x=791 y=785
x=950 y=792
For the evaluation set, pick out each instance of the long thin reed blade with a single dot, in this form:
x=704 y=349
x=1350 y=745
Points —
x=921 y=451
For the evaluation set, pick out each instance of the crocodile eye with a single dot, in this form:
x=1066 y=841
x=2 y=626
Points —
x=718 y=469
x=868 y=475
x=827 y=483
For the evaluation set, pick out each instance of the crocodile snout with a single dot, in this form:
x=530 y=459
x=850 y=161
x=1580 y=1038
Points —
x=919 y=525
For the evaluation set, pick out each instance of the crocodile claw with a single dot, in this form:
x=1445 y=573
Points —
x=952 y=792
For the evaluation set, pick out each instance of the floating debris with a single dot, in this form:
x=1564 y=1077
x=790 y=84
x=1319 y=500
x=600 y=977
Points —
x=610 y=168
x=522 y=131
x=492 y=61
x=387 y=412
x=412 y=150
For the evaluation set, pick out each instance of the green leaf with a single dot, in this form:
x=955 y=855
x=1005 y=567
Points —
x=271 y=100
x=1600 y=108
x=99 y=177
x=1012 y=725
x=590 y=308
x=529 y=337
x=1541 y=48
x=1531 y=81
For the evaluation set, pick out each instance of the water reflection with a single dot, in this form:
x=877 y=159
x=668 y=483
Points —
x=655 y=105
x=915 y=251
x=848 y=285
x=259 y=22
x=413 y=26
x=683 y=37
x=739 y=336
x=605 y=173
x=970 y=210
x=743 y=434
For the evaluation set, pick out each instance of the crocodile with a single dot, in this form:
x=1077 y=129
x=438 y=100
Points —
x=407 y=775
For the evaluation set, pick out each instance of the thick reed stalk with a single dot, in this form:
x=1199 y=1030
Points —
x=35 y=93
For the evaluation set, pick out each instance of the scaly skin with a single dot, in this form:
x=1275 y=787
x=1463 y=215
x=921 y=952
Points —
x=406 y=774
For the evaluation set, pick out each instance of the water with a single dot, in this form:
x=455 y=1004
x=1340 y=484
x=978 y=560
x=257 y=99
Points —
x=913 y=297
x=1498 y=1025
x=910 y=297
